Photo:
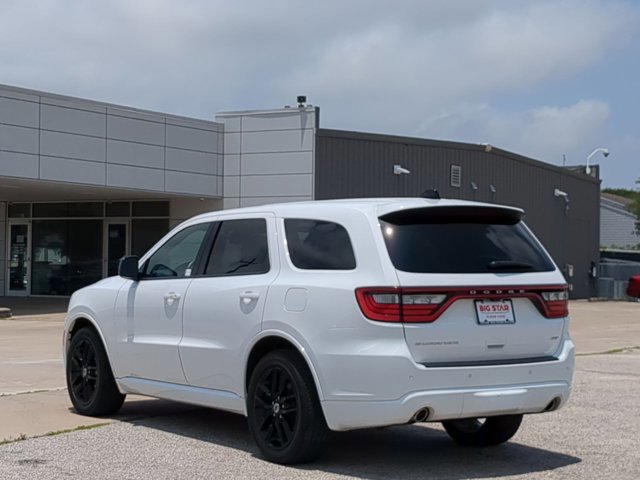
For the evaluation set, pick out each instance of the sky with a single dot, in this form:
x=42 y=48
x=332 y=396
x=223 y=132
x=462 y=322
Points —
x=546 y=79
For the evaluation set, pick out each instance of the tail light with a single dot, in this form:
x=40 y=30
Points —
x=425 y=305
x=399 y=305
x=556 y=302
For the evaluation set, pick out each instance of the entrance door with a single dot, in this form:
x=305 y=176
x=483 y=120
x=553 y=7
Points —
x=116 y=245
x=19 y=258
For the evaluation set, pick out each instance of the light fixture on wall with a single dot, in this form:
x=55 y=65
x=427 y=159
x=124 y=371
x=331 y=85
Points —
x=562 y=194
x=474 y=186
x=559 y=193
x=492 y=188
x=400 y=170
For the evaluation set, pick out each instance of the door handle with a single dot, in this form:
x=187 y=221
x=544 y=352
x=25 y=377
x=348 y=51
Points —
x=248 y=297
x=171 y=297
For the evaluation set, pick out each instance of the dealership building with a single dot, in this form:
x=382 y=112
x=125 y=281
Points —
x=83 y=183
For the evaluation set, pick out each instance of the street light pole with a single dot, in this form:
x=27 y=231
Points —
x=605 y=153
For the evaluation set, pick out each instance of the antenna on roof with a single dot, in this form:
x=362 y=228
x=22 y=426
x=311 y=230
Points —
x=431 y=193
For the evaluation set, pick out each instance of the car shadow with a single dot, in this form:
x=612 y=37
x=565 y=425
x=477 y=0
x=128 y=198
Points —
x=410 y=451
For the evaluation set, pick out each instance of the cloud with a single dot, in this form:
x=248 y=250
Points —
x=545 y=132
x=505 y=51
x=419 y=68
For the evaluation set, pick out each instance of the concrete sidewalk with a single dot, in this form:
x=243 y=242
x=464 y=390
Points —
x=35 y=306
x=34 y=401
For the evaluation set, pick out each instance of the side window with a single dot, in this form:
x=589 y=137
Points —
x=176 y=257
x=319 y=245
x=240 y=248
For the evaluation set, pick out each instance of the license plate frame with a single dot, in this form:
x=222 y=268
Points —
x=495 y=312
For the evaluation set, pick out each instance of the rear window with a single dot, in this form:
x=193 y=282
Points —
x=319 y=245
x=462 y=240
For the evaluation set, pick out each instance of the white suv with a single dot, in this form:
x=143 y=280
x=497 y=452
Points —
x=333 y=315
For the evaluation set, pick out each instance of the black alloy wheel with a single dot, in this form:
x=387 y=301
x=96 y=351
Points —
x=83 y=372
x=285 y=417
x=90 y=382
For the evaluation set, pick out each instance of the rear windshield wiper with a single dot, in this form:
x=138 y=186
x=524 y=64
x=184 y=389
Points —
x=508 y=265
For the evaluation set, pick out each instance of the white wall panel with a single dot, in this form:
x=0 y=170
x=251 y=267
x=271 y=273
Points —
x=231 y=164
x=74 y=103
x=70 y=170
x=253 y=201
x=132 y=130
x=275 y=185
x=136 y=154
x=232 y=143
x=72 y=146
x=231 y=123
x=19 y=94
x=62 y=119
x=277 y=141
x=221 y=155
x=18 y=139
x=192 y=139
x=191 y=161
x=192 y=183
x=135 y=177
x=18 y=112
x=19 y=164
x=230 y=202
x=277 y=163
x=231 y=186
x=53 y=137
x=294 y=119
x=271 y=152
x=136 y=114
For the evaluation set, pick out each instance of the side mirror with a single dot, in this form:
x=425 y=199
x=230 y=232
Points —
x=128 y=268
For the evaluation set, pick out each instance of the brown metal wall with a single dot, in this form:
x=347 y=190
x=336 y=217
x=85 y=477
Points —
x=351 y=165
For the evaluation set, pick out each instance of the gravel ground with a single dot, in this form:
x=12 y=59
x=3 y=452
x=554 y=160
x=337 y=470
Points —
x=594 y=437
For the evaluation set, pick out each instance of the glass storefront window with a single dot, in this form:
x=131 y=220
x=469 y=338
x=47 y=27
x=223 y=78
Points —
x=18 y=253
x=118 y=209
x=145 y=232
x=19 y=210
x=150 y=209
x=66 y=246
x=79 y=209
x=66 y=255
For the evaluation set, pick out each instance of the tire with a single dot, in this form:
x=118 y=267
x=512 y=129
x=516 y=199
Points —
x=284 y=413
x=90 y=383
x=472 y=432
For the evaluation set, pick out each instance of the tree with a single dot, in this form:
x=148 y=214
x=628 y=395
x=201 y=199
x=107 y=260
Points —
x=634 y=207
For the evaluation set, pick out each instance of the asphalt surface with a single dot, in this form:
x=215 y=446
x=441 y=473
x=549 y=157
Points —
x=594 y=437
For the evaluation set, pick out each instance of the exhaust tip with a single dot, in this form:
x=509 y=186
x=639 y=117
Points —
x=420 y=416
x=553 y=405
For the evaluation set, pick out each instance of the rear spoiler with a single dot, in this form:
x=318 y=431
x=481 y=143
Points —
x=455 y=214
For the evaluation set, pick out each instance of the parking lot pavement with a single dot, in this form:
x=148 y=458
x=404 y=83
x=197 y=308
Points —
x=593 y=437
x=31 y=354
x=604 y=326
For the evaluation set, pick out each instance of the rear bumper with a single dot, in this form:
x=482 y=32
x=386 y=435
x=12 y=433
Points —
x=446 y=405
x=478 y=392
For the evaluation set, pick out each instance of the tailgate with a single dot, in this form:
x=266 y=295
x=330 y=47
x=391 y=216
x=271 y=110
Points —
x=474 y=285
x=485 y=325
